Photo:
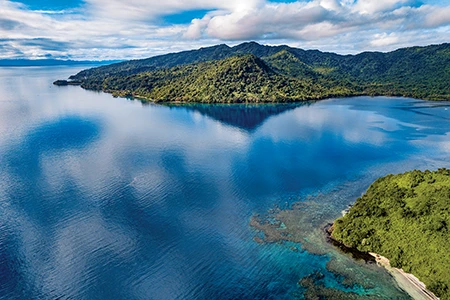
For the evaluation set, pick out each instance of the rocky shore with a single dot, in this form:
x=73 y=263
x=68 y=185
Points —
x=408 y=282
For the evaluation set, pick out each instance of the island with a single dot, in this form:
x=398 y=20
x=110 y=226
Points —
x=254 y=73
x=66 y=82
x=52 y=62
x=403 y=220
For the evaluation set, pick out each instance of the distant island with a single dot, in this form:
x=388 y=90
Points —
x=255 y=73
x=50 y=62
x=405 y=218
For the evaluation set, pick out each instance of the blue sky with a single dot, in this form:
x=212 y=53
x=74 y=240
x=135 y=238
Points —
x=116 y=29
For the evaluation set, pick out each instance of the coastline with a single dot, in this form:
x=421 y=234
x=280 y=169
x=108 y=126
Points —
x=133 y=96
x=408 y=282
x=144 y=99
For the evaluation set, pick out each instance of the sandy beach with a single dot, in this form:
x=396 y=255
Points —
x=408 y=282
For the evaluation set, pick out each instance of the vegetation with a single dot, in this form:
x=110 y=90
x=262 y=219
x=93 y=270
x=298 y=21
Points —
x=66 y=82
x=236 y=79
x=277 y=74
x=405 y=218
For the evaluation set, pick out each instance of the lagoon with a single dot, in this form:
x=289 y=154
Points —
x=109 y=198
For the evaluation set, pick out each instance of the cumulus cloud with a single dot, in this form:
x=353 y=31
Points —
x=114 y=29
x=384 y=39
x=318 y=19
x=371 y=6
x=269 y=21
x=437 y=16
x=148 y=10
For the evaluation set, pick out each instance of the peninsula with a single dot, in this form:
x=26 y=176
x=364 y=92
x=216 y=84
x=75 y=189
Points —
x=255 y=73
x=404 y=218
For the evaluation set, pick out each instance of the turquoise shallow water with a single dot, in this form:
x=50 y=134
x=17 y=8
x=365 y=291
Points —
x=108 y=198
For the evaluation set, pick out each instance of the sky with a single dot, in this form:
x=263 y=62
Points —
x=131 y=29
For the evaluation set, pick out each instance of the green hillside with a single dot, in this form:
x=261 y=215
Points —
x=419 y=72
x=243 y=78
x=405 y=218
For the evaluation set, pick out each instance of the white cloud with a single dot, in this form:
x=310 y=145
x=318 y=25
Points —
x=194 y=31
x=384 y=39
x=318 y=19
x=114 y=29
x=145 y=10
x=437 y=16
x=374 y=6
x=271 y=20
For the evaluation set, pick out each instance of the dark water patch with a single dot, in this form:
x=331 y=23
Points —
x=27 y=164
x=244 y=116
x=64 y=134
x=418 y=118
x=11 y=279
x=315 y=289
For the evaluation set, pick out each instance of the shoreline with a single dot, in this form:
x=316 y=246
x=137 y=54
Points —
x=407 y=282
x=131 y=95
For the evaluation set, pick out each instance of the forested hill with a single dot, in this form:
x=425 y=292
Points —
x=405 y=218
x=420 y=72
x=236 y=79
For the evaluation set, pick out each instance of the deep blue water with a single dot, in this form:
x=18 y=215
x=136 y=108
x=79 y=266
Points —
x=107 y=198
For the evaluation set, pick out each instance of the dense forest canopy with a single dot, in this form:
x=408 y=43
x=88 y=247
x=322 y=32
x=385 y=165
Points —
x=251 y=72
x=405 y=218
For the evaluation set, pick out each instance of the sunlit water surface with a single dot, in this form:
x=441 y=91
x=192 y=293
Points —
x=104 y=198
